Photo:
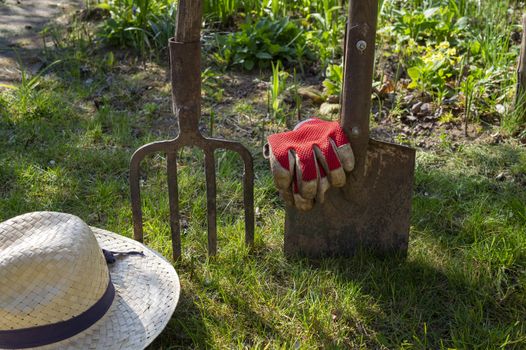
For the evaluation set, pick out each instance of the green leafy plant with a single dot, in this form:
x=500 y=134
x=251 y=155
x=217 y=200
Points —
x=433 y=69
x=221 y=10
x=224 y=11
x=278 y=85
x=430 y=24
x=144 y=24
x=211 y=83
x=258 y=44
x=325 y=34
x=296 y=96
x=28 y=85
x=514 y=120
x=334 y=79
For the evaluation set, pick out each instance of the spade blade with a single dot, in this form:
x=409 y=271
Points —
x=371 y=212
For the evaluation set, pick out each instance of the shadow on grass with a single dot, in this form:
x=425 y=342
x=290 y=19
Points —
x=186 y=329
x=460 y=285
x=418 y=304
x=409 y=295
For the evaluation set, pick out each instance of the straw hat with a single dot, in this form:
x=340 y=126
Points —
x=57 y=290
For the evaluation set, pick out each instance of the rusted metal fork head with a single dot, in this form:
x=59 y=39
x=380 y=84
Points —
x=186 y=90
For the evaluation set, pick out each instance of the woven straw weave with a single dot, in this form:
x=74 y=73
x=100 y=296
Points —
x=51 y=270
x=64 y=273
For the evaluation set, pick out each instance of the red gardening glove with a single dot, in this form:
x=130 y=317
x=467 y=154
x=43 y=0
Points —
x=305 y=162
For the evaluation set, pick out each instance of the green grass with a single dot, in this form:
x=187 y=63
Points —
x=462 y=285
x=66 y=143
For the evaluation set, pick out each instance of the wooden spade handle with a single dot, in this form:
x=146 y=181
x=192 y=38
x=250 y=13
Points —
x=358 y=74
x=189 y=18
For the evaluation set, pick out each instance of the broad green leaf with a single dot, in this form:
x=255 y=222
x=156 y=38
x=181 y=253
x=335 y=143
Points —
x=414 y=73
x=462 y=23
x=475 y=47
x=264 y=55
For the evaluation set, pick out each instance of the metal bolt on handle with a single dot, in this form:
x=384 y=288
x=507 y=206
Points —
x=361 y=45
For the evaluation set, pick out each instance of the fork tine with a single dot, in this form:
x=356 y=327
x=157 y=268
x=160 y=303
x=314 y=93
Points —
x=248 y=182
x=248 y=197
x=210 y=170
x=173 y=195
x=208 y=146
x=135 y=186
x=135 y=191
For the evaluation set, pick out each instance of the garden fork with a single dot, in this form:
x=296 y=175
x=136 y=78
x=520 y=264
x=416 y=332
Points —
x=185 y=61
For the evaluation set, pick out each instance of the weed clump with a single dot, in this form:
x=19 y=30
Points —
x=265 y=41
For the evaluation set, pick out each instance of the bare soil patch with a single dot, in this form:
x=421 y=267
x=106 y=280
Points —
x=20 y=24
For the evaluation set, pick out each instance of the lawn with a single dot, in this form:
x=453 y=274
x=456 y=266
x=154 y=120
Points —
x=67 y=135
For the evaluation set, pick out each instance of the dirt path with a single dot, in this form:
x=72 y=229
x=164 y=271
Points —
x=20 y=24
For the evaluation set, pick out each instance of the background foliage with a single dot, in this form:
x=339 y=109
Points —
x=67 y=134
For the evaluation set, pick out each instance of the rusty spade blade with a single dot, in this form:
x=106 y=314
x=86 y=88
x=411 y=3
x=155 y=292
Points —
x=185 y=61
x=373 y=210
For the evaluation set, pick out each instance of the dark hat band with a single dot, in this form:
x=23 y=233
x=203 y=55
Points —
x=52 y=333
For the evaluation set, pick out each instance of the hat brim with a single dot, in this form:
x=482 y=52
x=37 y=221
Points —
x=147 y=291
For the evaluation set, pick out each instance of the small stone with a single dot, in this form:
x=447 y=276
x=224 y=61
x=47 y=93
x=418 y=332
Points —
x=329 y=108
x=52 y=162
x=311 y=93
x=262 y=85
x=408 y=99
x=405 y=81
x=450 y=101
x=333 y=99
x=500 y=109
x=416 y=108
x=429 y=118
x=409 y=119
x=426 y=109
